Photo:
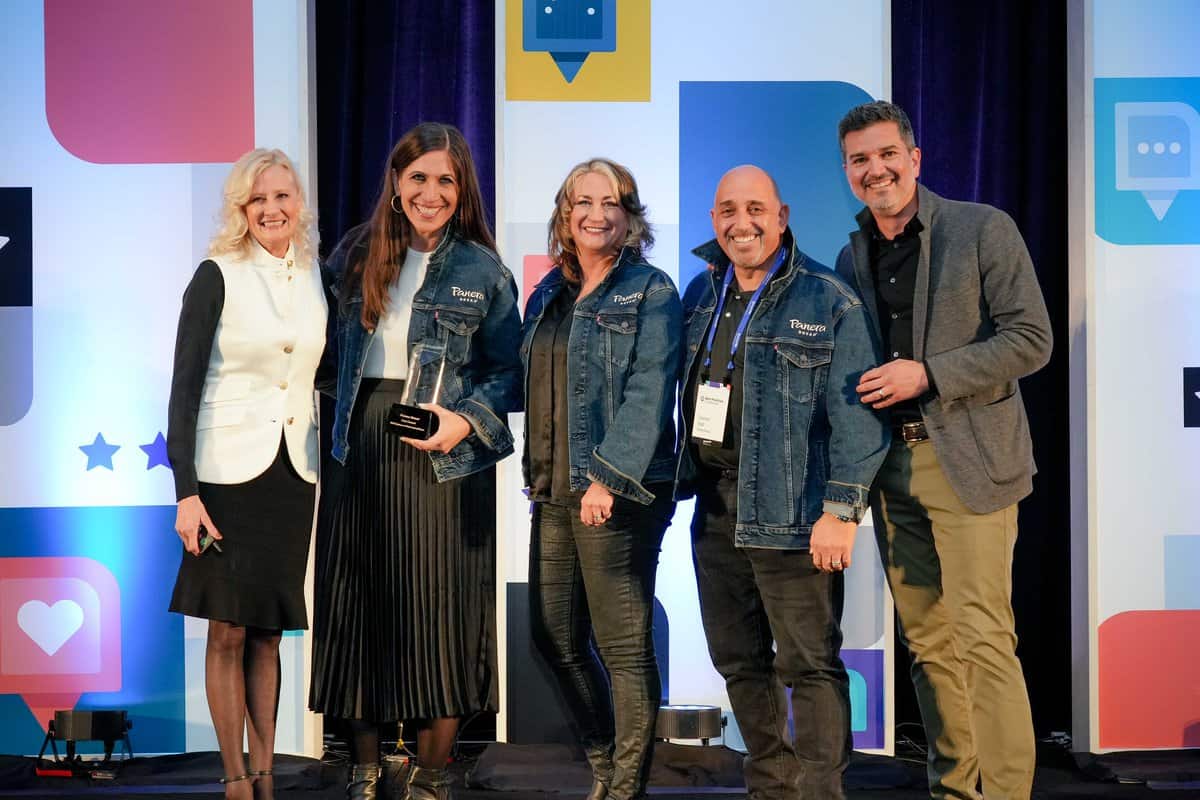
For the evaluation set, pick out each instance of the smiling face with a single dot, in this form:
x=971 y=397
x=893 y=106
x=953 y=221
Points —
x=748 y=217
x=273 y=210
x=428 y=192
x=881 y=169
x=599 y=224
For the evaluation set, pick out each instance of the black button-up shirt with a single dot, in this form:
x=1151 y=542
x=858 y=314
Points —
x=546 y=436
x=894 y=267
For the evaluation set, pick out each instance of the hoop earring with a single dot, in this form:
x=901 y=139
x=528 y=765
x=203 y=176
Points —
x=392 y=203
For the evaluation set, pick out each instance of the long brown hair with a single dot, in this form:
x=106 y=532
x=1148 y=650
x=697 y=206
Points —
x=561 y=244
x=389 y=233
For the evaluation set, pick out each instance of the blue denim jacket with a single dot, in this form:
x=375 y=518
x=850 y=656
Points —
x=808 y=445
x=624 y=355
x=466 y=309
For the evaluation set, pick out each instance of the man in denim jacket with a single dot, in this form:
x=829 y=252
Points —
x=779 y=454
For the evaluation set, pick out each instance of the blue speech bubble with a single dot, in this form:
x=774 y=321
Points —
x=1155 y=151
x=1147 y=160
x=570 y=30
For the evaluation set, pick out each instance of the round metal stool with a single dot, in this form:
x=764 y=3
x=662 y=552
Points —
x=689 y=722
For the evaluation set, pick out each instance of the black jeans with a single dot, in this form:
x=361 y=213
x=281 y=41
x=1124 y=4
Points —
x=586 y=581
x=749 y=598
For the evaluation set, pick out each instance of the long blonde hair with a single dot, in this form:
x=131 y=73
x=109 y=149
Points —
x=233 y=235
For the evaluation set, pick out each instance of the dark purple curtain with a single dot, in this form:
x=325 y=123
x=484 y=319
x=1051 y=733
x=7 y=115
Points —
x=986 y=87
x=382 y=67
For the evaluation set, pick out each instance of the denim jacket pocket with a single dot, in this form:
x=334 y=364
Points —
x=620 y=330
x=457 y=327
x=799 y=368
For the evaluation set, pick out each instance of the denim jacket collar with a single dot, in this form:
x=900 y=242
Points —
x=712 y=254
x=555 y=279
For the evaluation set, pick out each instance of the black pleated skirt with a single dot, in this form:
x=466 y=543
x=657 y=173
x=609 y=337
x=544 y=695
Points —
x=404 y=617
x=257 y=579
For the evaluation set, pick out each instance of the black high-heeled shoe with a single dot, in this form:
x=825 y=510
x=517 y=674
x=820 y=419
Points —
x=256 y=774
x=234 y=779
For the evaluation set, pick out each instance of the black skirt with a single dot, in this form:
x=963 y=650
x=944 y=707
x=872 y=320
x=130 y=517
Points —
x=404 y=617
x=257 y=579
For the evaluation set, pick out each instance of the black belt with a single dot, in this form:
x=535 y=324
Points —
x=911 y=431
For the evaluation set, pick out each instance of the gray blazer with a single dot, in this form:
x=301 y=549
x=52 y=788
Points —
x=979 y=324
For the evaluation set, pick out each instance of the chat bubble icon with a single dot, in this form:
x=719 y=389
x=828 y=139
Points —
x=1157 y=151
x=570 y=30
x=60 y=631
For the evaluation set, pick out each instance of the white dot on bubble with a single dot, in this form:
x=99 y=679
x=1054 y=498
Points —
x=1143 y=148
x=591 y=11
x=549 y=10
x=1175 y=148
x=1159 y=147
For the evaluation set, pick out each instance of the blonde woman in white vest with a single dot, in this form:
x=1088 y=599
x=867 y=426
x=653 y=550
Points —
x=242 y=441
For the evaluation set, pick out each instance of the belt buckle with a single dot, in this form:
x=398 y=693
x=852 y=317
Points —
x=913 y=432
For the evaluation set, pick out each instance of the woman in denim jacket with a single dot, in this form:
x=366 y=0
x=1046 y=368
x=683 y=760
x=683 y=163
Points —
x=601 y=347
x=404 y=622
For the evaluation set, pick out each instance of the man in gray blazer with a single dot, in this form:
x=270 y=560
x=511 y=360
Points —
x=954 y=298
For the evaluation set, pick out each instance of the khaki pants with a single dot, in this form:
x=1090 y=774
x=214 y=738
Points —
x=950 y=571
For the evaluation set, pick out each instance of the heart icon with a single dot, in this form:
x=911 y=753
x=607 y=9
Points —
x=50 y=627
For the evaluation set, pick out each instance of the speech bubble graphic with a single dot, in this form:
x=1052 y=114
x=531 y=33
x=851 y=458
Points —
x=570 y=30
x=16 y=302
x=60 y=631
x=1157 y=151
x=136 y=81
x=50 y=626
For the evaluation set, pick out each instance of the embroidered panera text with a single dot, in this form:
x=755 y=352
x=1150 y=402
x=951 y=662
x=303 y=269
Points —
x=466 y=295
x=807 y=328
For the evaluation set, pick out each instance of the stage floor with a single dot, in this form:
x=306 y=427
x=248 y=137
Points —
x=527 y=772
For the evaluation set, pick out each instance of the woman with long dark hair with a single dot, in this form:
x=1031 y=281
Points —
x=404 y=621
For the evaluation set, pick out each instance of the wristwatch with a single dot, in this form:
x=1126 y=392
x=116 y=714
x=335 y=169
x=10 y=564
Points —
x=844 y=518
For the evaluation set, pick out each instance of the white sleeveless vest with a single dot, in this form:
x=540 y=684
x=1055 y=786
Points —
x=268 y=342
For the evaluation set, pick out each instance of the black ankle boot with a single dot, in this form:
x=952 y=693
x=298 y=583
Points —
x=429 y=784
x=364 y=782
x=393 y=777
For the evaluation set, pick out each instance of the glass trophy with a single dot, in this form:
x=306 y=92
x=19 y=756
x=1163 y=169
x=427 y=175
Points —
x=426 y=366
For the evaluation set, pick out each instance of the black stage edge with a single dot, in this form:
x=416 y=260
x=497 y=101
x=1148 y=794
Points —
x=556 y=772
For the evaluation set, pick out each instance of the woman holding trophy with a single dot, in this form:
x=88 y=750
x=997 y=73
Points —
x=426 y=342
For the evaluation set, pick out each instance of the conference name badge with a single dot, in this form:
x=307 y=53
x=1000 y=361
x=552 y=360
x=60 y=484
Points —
x=712 y=408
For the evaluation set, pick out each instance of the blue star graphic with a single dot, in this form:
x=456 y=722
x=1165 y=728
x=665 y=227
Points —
x=99 y=452
x=156 y=452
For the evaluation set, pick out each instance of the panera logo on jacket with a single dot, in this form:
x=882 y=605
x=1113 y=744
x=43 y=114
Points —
x=807 y=328
x=626 y=299
x=466 y=295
